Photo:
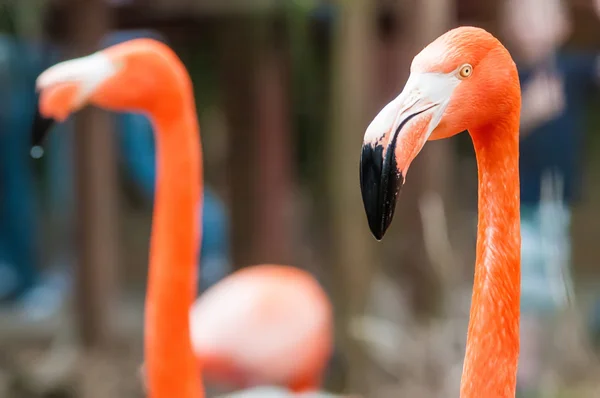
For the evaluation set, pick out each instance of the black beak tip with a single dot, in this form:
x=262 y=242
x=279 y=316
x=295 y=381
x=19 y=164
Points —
x=380 y=182
x=36 y=152
x=376 y=228
x=380 y=222
x=378 y=235
x=40 y=129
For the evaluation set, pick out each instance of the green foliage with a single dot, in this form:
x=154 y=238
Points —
x=7 y=19
x=310 y=86
x=201 y=62
x=302 y=6
x=21 y=17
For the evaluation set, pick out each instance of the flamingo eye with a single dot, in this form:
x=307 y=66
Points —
x=465 y=71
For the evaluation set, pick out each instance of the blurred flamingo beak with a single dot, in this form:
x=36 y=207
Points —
x=394 y=138
x=65 y=88
x=40 y=130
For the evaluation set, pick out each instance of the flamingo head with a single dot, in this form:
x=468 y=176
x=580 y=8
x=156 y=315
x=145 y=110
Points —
x=133 y=76
x=465 y=79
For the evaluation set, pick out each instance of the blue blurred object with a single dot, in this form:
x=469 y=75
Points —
x=551 y=150
x=20 y=279
x=325 y=12
x=18 y=228
x=555 y=145
x=594 y=322
x=545 y=255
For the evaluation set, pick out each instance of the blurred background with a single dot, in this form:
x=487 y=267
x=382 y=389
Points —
x=284 y=91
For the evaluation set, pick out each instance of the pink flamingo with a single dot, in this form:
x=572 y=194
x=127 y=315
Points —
x=464 y=80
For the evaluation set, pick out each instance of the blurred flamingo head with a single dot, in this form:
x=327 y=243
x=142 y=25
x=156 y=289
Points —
x=137 y=75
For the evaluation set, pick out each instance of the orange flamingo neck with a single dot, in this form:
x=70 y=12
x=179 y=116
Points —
x=492 y=352
x=172 y=369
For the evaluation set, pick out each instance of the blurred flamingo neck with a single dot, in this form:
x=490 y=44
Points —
x=172 y=369
x=492 y=352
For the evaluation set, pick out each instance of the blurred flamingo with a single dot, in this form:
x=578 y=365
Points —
x=263 y=324
x=464 y=80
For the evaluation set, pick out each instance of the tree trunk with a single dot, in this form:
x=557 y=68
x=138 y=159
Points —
x=96 y=201
x=273 y=155
x=237 y=62
x=96 y=184
x=256 y=84
x=352 y=259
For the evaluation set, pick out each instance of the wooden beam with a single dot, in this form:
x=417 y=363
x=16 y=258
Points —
x=273 y=155
x=237 y=60
x=96 y=182
x=353 y=260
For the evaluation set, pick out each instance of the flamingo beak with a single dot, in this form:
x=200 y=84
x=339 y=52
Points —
x=393 y=140
x=65 y=88
x=40 y=130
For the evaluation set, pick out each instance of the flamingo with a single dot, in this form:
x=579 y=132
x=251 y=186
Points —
x=464 y=80
x=262 y=324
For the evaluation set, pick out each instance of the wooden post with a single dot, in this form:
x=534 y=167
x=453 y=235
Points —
x=353 y=257
x=273 y=155
x=96 y=201
x=96 y=182
x=237 y=59
x=254 y=76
